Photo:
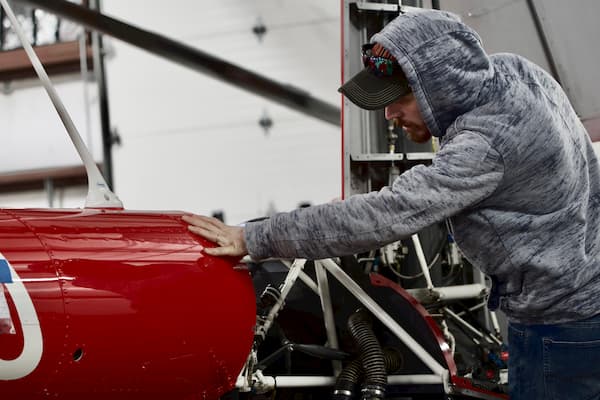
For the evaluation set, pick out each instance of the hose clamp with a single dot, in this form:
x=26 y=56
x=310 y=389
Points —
x=373 y=391
x=343 y=392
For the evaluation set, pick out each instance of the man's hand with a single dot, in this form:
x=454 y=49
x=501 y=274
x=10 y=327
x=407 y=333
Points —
x=230 y=239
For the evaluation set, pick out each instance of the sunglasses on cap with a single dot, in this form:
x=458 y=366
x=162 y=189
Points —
x=378 y=65
x=380 y=83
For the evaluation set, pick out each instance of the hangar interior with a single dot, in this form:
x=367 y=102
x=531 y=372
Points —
x=231 y=109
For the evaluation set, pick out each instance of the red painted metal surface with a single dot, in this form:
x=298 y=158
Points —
x=435 y=332
x=460 y=384
x=128 y=307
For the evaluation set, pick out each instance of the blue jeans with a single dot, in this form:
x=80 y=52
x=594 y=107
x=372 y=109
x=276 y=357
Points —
x=554 y=362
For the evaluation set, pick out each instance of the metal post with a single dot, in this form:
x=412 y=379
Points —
x=49 y=187
x=100 y=72
x=545 y=46
x=1 y=28
x=328 y=319
x=422 y=261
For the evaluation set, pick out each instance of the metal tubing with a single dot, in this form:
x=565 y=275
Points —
x=495 y=323
x=475 y=307
x=324 y=381
x=190 y=57
x=384 y=317
x=423 y=379
x=290 y=279
x=449 y=293
x=328 y=319
x=422 y=261
x=307 y=280
x=470 y=327
x=100 y=73
x=83 y=64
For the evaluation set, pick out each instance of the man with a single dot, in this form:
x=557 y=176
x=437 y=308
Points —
x=516 y=174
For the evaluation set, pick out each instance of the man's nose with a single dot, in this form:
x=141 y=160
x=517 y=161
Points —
x=392 y=111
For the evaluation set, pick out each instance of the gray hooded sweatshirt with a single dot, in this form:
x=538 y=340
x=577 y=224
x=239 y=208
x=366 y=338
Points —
x=516 y=174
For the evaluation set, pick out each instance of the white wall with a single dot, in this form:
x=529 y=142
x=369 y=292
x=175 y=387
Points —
x=193 y=143
x=33 y=137
x=571 y=30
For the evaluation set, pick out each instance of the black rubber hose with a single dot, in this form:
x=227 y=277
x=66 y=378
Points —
x=393 y=360
x=371 y=355
x=347 y=380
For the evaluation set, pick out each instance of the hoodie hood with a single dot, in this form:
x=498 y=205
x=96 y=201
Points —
x=443 y=61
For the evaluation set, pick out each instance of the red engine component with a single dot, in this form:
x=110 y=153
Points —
x=117 y=304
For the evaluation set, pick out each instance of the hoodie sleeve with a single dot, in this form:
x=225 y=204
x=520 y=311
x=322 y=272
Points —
x=464 y=172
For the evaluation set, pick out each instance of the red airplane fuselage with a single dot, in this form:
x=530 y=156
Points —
x=117 y=304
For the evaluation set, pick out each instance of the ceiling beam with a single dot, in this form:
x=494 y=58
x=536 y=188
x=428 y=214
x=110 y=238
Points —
x=193 y=58
x=19 y=181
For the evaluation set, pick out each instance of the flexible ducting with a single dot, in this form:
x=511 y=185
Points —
x=348 y=379
x=371 y=362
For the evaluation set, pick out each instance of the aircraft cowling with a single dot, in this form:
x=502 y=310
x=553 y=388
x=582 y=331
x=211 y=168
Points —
x=119 y=304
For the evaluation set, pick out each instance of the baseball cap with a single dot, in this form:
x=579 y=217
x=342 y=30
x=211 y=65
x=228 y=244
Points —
x=380 y=83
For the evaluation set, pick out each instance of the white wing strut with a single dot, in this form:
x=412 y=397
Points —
x=99 y=194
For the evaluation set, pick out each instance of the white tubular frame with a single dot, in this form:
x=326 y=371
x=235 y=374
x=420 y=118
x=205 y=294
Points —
x=448 y=293
x=290 y=280
x=307 y=280
x=327 y=308
x=422 y=260
x=384 y=317
x=271 y=382
x=262 y=383
x=471 y=328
